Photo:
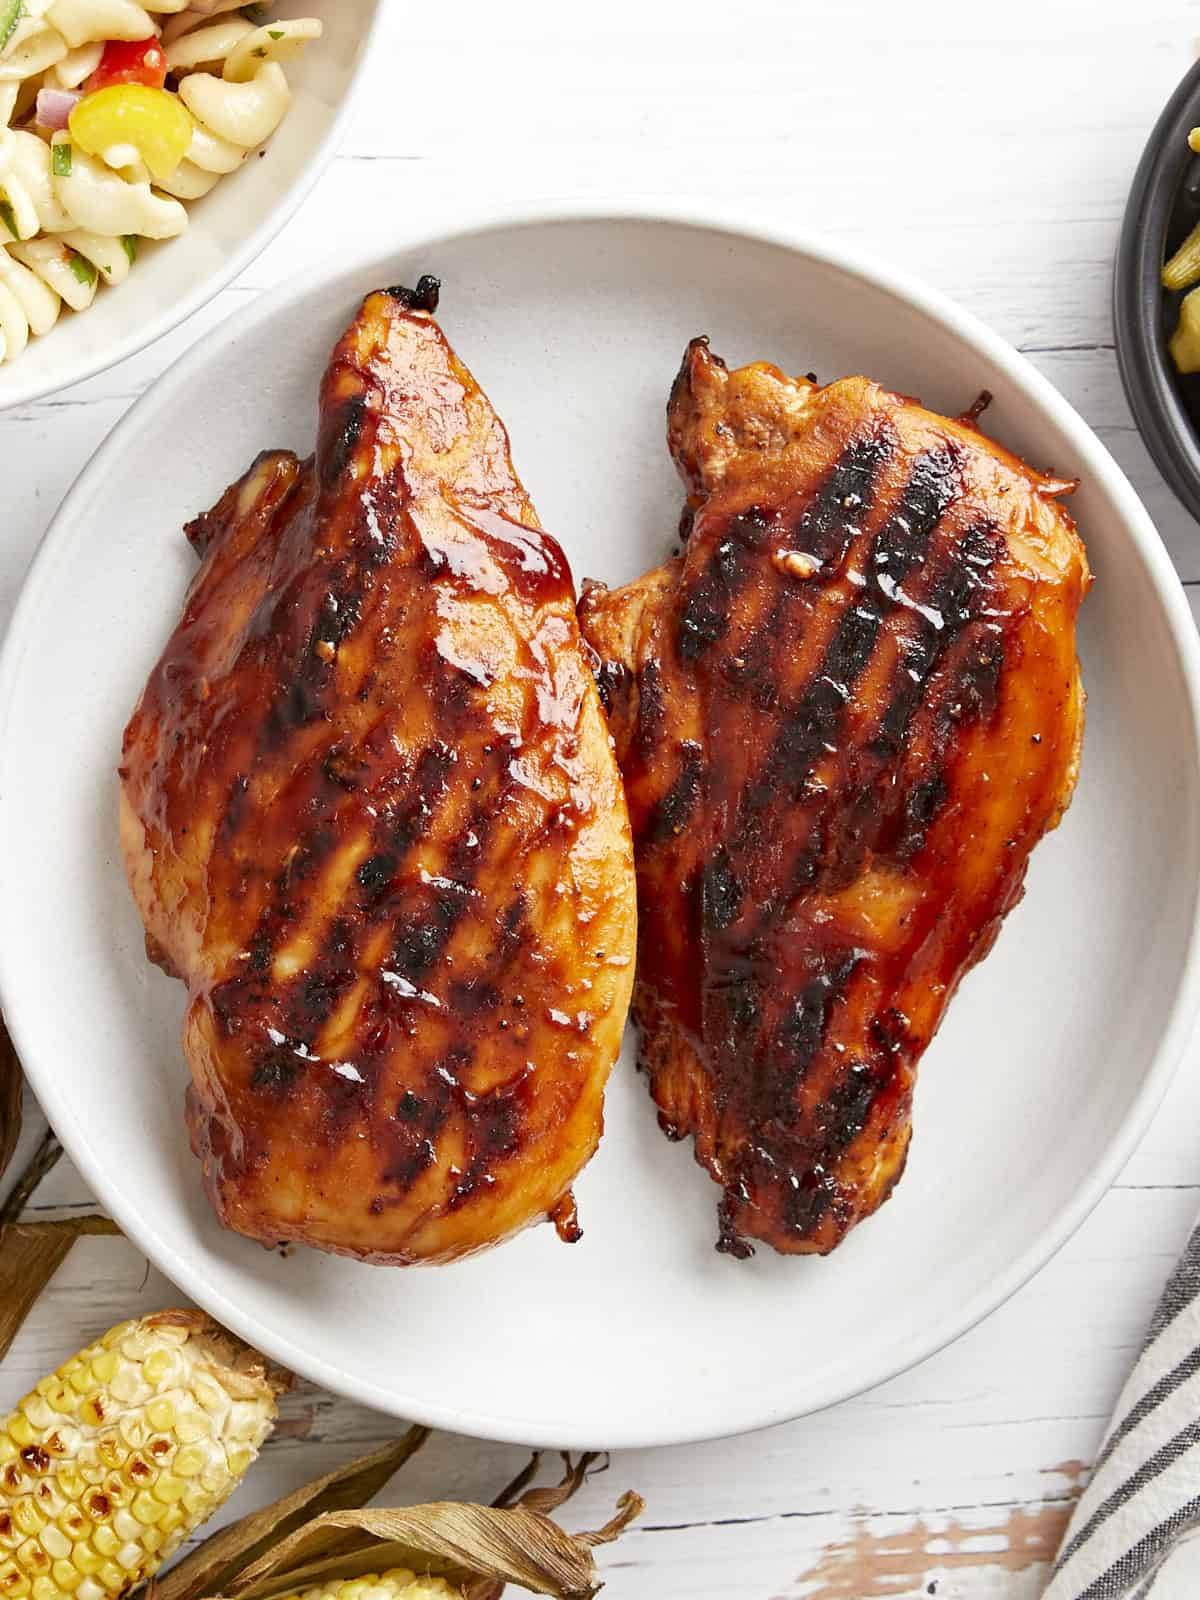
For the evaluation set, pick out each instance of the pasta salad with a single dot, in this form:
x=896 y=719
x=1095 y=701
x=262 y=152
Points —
x=114 y=114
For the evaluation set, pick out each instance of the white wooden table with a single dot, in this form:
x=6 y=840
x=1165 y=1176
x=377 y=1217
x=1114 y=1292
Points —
x=988 y=148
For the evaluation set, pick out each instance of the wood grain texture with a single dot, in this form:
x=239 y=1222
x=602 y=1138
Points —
x=988 y=150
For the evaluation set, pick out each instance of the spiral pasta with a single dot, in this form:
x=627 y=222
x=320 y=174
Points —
x=113 y=115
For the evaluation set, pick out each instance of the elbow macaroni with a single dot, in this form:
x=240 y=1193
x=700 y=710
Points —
x=70 y=219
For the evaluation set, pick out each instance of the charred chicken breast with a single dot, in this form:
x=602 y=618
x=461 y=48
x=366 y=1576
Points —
x=372 y=819
x=845 y=715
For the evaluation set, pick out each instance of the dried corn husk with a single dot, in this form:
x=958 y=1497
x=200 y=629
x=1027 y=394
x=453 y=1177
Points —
x=30 y=1254
x=478 y=1547
x=314 y=1536
x=10 y=1098
x=216 y=1564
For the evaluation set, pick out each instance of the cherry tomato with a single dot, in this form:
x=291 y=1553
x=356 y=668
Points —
x=130 y=61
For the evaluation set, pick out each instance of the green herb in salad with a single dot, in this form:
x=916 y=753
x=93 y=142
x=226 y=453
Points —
x=11 y=12
x=60 y=158
x=82 y=268
x=130 y=246
x=255 y=13
x=8 y=218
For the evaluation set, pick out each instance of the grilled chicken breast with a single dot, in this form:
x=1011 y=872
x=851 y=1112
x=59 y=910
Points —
x=845 y=715
x=371 y=817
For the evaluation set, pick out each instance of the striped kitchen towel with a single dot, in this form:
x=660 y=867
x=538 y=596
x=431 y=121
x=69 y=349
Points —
x=1144 y=1493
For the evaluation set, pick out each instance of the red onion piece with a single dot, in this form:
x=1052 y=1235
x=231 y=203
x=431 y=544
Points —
x=54 y=106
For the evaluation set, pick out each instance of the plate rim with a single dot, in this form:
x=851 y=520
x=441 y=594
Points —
x=141 y=336
x=743 y=224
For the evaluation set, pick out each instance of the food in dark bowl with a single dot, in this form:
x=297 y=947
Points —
x=1163 y=211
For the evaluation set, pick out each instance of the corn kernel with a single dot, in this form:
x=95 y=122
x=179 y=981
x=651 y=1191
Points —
x=125 y=1385
x=37 y=1411
x=65 y=1576
x=132 y=1428
x=118 y=1493
x=190 y=1460
x=111 y=1576
x=196 y=1499
x=129 y=1555
x=146 y=1508
x=239 y=1460
x=14 y=1585
x=10 y=1537
x=71 y=1481
x=110 y=1450
x=159 y=1364
x=8 y=1449
x=104 y=1366
x=209 y=1393
x=172 y=1518
x=137 y=1345
x=21 y=1432
x=92 y=1411
x=168 y=1489
x=105 y=1540
x=33 y=1558
x=89 y=1589
x=152 y=1541
x=55 y=1542
x=160 y=1414
x=126 y=1527
x=27 y=1516
x=44 y=1588
x=85 y=1558
x=74 y=1524
x=79 y=1376
x=192 y=1426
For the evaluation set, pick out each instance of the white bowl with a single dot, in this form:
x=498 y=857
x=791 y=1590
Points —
x=227 y=228
x=1054 y=1055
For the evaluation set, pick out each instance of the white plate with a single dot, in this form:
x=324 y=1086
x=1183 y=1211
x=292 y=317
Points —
x=227 y=228
x=1053 y=1057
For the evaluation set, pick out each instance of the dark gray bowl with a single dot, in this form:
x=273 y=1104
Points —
x=1164 y=204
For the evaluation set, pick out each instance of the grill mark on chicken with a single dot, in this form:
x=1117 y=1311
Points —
x=827 y=524
x=813 y=724
x=801 y=939
x=949 y=605
x=375 y=719
x=671 y=815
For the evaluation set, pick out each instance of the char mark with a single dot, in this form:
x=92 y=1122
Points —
x=704 y=615
x=423 y=298
x=721 y=892
x=669 y=818
x=902 y=542
x=829 y=521
x=801 y=1033
x=813 y=725
x=845 y=1112
x=340 y=429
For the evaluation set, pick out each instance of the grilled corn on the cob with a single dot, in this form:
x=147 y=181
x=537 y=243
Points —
x=113 y=1460
x=398 y=1584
